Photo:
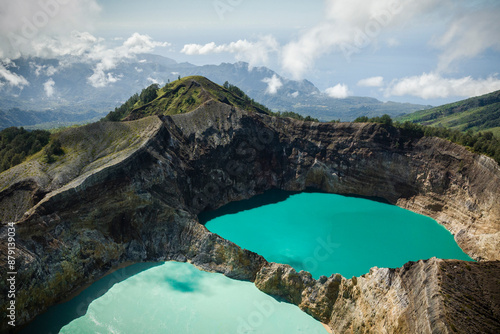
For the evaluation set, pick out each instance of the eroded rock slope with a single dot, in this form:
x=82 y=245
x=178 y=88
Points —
x=139 y=202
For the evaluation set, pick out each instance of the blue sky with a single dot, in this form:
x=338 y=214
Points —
x=425 y=51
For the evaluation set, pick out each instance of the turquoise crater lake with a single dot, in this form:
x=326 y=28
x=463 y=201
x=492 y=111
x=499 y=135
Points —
x=320 y=233
x=327 y=233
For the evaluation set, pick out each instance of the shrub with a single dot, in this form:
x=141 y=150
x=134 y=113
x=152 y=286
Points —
x=17 y=143
x=294 y=115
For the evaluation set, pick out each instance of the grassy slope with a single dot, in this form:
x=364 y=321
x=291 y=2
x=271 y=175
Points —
x=86 y=148
x=477 y=114
x=185 y=95
x=91 y=146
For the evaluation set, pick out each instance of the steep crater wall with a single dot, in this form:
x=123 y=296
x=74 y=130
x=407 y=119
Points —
x=238 y=155
x=143 y=208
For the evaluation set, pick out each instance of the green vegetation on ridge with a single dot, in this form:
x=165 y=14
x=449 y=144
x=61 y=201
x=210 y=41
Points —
x=182 y=96
x=17 y=143
x=53 y=149
x=481 y=142
x=187 y=94
x=477 y=114
x=86 y=149
x=294 y=115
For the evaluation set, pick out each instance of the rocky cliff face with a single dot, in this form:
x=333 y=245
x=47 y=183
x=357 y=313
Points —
x=139 y=202
x=434 y=296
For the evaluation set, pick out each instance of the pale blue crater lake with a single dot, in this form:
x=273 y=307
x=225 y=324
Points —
x=321 y=233
x=174 y=298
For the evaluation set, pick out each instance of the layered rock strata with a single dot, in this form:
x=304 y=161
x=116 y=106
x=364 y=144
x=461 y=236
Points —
x=139 y=202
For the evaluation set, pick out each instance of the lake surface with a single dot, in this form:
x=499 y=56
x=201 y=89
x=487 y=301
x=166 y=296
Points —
x=176 y=298
x=326 y=234
x=320 y=233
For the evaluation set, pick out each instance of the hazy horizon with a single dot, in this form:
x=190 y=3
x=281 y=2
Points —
x=425 y=52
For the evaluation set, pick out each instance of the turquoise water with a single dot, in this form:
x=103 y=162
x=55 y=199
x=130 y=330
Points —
x=178 y=298
x=320 y=233
x=327 y=233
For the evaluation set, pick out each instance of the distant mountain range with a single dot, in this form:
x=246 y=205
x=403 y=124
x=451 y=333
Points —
x=63 y=90
x=46 y=119
x=477 y=114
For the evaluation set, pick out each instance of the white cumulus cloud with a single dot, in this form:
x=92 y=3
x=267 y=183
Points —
x=109 y=58
x=433 y=85
x=154 y=80
x=74 y=43
x=50 y=29
x=254 y=53
x=350 y=27
x=198 y=49
x=102 y=79
x=9 y=78
x=48 y=86
x=47 y=70
x=339 y=91
x=137 y=44
x=273 y=84
x=50 y=71
x=371 y=82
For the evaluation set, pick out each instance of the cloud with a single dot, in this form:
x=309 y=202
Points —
x=433 y=85
x=339 y=91
x=47 y=70
x=154 y=80
x=469 y=36
x=73 y=44
x=198 y=49
x=108 y=59
x=9 y=78
x=273 y=84
x=371 y=82
x=48 y=86
x=299 y=56
x=392 y=42
x=102 y=79
x=137 y=44
x=347 y=28
x=134 y=45
x=26 y=25
x=255 y=53
x=50 y=70
x=53 y=28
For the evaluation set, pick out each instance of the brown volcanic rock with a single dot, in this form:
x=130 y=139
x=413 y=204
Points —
x=138 y=202
x=471 y=291
x=434 y=296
